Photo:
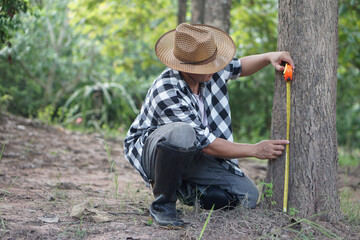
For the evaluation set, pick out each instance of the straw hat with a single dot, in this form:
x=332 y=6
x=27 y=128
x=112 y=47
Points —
x=200 y=49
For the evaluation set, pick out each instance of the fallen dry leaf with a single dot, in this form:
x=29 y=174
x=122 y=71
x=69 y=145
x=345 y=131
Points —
x=84 y=209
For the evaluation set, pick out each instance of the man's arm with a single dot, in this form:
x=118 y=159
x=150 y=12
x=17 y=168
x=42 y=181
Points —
x=252 y=64
x=268 y=149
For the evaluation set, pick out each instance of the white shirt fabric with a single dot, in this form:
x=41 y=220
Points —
x=202 y=109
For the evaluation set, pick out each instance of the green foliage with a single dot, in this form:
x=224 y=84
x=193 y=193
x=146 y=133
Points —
x=100 y=100
x=293 y=211
x=127 y=31
x=253 y=31
x=268 y=192
x=46 y=114
x=348 y=97
x=4 y=102
x=49 y=61
x=349 y=157
x=54 y=62
x=8 y=9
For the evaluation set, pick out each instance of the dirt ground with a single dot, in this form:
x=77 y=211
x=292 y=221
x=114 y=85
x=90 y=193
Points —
x=58 y=184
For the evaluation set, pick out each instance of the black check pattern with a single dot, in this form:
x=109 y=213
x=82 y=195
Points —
x=169 y=99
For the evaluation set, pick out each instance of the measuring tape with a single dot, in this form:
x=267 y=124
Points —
x=288 y=77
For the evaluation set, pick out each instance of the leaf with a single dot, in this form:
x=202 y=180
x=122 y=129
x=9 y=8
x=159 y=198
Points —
x=84 y=209
x=78 y=210
x=101 y=218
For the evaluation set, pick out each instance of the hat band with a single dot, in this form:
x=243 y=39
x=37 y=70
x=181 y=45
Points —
x=209 y=59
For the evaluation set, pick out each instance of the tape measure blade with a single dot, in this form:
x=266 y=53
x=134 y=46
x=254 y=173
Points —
x=287 y=151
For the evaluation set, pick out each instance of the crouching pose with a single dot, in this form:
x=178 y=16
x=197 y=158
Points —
x=181 y=142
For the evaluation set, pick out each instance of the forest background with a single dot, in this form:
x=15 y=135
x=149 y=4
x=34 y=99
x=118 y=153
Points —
x=87 y=64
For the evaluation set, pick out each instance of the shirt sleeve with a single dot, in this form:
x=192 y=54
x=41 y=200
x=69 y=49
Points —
x=234 y=68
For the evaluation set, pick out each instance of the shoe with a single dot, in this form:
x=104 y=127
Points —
x=165 y=214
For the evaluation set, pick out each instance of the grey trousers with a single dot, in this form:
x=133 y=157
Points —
x=204 y=170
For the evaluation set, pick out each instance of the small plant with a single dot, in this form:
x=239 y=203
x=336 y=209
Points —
x=116 y=180
x=2 y=223
x=59 y=193
x=108 y=151
x=80 y=233
x=268 y=192
x=2 y=150
x=4 y=102
x=293 y=211
x=112 y=166
x=149 y=222
x=45 y=115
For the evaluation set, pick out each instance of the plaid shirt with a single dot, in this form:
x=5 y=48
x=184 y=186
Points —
x=170 y=100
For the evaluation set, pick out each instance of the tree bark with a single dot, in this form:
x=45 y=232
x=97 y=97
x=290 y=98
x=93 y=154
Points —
x=211 y=12
x=217 y=13
x=197 y=11
x=309 y=31
x=182 y=8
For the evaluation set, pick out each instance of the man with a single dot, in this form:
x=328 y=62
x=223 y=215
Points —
x=181 y=142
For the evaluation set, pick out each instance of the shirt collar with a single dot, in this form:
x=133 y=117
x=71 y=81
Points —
x=182 y=85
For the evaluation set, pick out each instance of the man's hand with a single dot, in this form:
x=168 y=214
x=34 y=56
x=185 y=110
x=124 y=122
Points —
x=269 y=149
x=277 y=57
x=252 y=64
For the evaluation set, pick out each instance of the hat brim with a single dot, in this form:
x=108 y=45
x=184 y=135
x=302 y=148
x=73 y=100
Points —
x=164 y=49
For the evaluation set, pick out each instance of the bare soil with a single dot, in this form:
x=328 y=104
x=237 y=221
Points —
x=59 y=184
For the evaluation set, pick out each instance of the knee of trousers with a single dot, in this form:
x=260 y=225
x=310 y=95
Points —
x=180 y=135
x=207 y=196
x=250 y=199
x=223 y=199
x=218 y=198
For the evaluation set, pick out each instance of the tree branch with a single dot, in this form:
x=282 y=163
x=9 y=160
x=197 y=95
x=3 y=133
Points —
x=27 y=71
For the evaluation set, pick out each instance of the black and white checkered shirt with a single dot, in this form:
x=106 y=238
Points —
x=169 y=99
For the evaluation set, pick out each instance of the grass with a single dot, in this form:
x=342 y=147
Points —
x=112 y=165
x=350 y=207
x=7 y=191
x=206 y=222
x=349 y=158
x=59 y=194
x=2 y=150
x=2 y=221
x=302 y=233
x=80 y=232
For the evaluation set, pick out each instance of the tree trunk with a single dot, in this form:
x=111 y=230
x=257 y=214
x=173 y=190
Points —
x=197 y=11
x=211 y=12
x=217 y=13
x=309 y=31
x=182 y=7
